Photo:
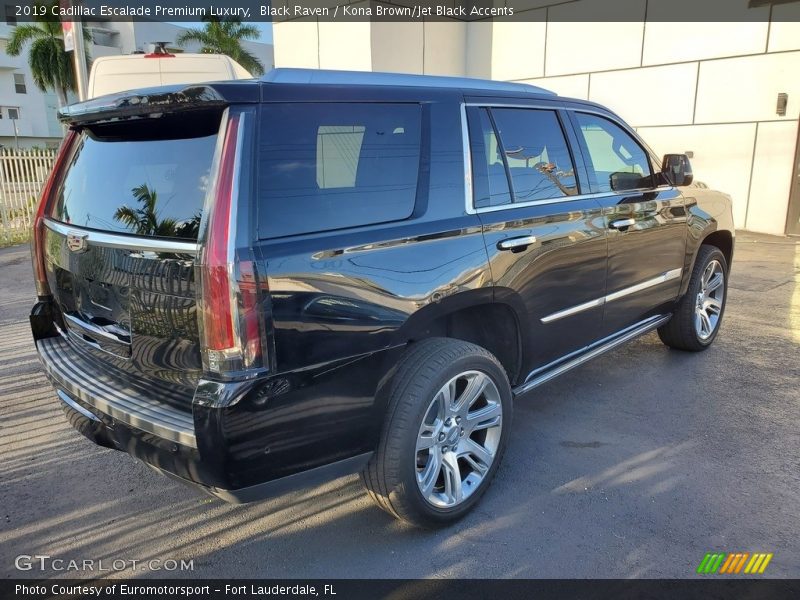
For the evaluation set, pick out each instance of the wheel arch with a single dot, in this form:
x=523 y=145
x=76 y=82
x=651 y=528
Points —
x=475 y=317
x=723 y=240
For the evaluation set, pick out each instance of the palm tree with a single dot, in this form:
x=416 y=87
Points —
x=224 y=36
x=144 y=220
x=50 y=64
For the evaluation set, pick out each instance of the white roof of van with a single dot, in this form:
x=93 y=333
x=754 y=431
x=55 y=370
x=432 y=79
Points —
x=112 y=74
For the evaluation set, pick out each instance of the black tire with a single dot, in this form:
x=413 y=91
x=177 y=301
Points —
x=680 y=331
x=391 y=475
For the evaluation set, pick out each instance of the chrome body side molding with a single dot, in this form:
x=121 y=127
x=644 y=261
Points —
x=664 y=277
x=561 y=366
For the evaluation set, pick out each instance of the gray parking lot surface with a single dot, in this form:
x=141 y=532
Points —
x=634 y=465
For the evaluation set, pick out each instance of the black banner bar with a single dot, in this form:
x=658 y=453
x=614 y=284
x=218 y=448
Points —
x=355 y=589
x=412 y=10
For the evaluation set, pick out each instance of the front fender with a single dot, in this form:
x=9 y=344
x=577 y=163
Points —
x=709 y=212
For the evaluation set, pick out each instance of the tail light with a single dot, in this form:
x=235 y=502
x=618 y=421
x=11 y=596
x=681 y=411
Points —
x=42 y=210
x=230 y=301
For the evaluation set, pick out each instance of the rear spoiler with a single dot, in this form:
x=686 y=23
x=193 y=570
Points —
x=154 y=102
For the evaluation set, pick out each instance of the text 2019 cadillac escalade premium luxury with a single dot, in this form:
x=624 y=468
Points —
x=256 y=285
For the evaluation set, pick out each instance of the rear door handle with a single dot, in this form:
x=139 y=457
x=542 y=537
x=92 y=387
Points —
x=622 y=223
x=516 y=243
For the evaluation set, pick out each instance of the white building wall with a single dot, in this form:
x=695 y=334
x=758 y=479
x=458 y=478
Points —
x=36 y=126
x=431 y=48
x=708 y=88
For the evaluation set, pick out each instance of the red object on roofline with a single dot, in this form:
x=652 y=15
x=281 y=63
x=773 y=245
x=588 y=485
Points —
x=160 y=51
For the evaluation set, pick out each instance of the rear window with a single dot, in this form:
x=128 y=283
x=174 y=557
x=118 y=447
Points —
x=149 y=187
x=332 y=166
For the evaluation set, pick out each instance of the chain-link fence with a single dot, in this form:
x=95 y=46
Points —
x=22 y=175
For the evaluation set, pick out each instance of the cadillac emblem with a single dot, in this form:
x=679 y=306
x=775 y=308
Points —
x=77 y=242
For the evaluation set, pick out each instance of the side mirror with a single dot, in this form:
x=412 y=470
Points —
x=677 y=170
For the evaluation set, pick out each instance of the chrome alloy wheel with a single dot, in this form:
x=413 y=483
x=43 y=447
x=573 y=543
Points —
x=708 y=307
x=458 y=439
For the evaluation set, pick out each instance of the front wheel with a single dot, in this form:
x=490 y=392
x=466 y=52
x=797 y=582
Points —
x=448 y=418
x=698 y=316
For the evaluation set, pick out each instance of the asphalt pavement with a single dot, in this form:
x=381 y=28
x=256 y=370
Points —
x=634 y=465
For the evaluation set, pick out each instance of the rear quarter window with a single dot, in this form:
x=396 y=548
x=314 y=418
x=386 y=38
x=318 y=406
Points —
x=336 y=165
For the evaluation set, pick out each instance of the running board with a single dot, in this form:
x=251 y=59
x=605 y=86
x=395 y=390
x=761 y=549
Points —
x=540 y=376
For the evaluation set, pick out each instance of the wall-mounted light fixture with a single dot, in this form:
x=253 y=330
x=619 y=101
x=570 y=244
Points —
x=783 y=101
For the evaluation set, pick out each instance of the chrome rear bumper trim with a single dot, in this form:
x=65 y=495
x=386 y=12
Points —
x=126 y=406
x=66 y=399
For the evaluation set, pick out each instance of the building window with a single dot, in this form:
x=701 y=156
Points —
x=19 y=83
x=13 y=113
x=11 y=15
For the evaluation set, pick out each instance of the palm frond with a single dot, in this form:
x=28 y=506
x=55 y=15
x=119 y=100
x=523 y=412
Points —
x=22 y=34
x=224 y=36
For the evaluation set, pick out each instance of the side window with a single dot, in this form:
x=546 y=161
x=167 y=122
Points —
x=335 y=165
x=488 y=170
x=615 y=159
x=536 y=151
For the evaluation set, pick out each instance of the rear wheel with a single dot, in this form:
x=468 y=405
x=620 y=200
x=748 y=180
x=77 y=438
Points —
x=697 y=319
x=447 y=423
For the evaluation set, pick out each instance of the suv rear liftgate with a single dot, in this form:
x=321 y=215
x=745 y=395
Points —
x=140 y=320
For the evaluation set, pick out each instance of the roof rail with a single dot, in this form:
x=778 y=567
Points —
x=328 y=77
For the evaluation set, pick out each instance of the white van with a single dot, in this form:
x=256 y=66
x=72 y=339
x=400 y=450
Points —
x=112 y=74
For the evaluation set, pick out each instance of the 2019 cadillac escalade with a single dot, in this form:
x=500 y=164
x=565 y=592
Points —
x=257 y=285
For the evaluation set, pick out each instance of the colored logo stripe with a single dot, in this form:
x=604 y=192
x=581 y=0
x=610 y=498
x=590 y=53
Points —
x=733 y=563
x=758 y=563
x=710 y=563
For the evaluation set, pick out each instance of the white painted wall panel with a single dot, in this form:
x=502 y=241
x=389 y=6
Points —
x=518 y=48
x=345 y=46
x=479 y=49
x=784 y=33
x=296 y=44
x=772 y=176
x=651 y=96
x=572 y=86
x=397 y=47
x=746 y=88
x=603 y=46
x=666 y=42
x=722 y=156
x=444 y=48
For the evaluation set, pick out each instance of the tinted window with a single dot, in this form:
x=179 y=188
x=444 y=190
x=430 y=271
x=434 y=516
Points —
x=330 y=166
x=615 y=159
x=488 y=170
x=538 y=158
x=153 y=187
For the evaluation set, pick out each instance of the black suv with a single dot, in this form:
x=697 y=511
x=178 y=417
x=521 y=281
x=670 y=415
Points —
x=257 y=285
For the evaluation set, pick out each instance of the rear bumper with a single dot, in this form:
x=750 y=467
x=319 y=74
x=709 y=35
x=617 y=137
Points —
x=283 y=485
x=172 y=461
x=133 y=405
x=238 y=441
